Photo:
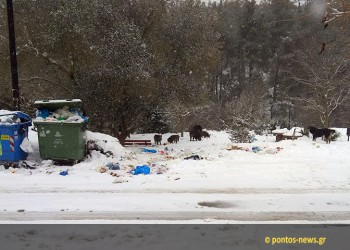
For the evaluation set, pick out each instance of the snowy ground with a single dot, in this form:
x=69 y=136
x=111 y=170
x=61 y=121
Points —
x=290 y=181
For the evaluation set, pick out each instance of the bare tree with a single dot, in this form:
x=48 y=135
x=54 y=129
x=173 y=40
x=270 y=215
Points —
x=323 y=83
x=336 y=9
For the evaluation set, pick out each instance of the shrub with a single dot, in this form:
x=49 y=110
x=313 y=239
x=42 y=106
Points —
x=240 y=135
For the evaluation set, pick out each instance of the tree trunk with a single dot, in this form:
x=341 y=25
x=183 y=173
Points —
x=122 y=132
x=325 y=119
x=121 y=137
x=181 y=126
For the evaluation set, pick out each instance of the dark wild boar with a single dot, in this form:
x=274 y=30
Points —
x=158 y=139
x=173 y=138
x=205 y=134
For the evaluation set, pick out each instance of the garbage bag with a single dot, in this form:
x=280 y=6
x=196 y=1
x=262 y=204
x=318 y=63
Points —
x=43 y=113
x=113 y=166
x=64 y=172
x=141 y=170
x=149 y=150
x=193 y=157
x=256 y=149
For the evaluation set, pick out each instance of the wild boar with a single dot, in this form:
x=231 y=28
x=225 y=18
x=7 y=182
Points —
x=195 y=133
x=158 y=139
x=205 y=134
x=173 y=138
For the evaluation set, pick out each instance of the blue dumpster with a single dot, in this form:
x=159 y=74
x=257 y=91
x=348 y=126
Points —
x=13 y=129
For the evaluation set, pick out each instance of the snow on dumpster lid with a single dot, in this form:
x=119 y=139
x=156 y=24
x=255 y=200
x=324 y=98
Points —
x=56 y=104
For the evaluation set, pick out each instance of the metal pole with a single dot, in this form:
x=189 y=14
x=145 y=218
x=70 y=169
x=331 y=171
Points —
x=13 y=56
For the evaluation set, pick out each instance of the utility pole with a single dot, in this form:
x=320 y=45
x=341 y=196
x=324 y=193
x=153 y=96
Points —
x=13 y=55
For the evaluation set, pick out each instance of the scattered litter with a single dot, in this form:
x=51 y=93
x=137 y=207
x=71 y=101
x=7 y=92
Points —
x=26 y=146
x=28 y=165
x=168 y=157
x=149 y=150
x=114 y=174
x=113 y=166
x=102 y=169
x=119 y=180
x=46 y=163
x=159 y=169
x=193 y=157
x=141 y=170
x=13 y=170
x=273 y=150
x=64 y=172
x=256 y=149
x=234 y=147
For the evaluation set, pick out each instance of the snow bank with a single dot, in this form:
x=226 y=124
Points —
x=107 y=142
x=278 y=176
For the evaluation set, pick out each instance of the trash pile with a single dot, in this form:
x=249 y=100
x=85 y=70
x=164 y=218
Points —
x=64 y=114
x=124 y=167
x=256 y=149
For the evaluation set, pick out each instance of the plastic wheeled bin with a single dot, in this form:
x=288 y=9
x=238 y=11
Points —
x=60 y=139
x=13 y=129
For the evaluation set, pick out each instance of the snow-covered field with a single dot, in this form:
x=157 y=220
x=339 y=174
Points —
x=288 y=181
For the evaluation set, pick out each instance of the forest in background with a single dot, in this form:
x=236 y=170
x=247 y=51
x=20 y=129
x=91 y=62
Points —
x=164 y=65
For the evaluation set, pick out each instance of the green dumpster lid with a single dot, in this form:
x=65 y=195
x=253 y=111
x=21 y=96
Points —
x=57 y=104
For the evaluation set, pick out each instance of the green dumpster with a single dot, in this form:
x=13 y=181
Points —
x=61 y=126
